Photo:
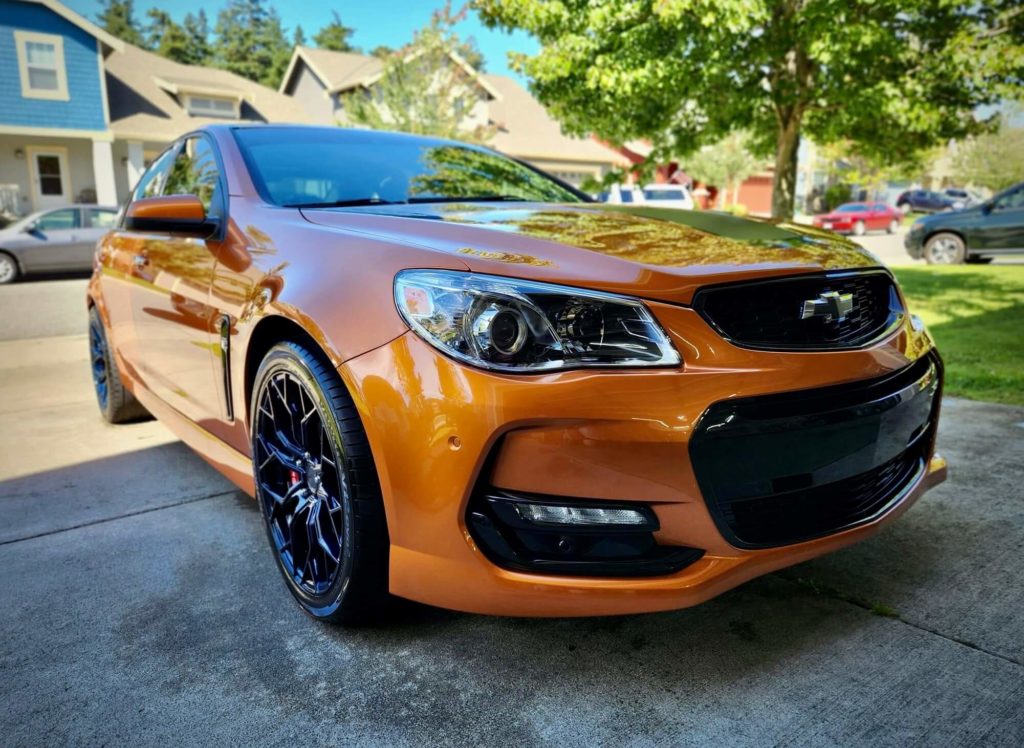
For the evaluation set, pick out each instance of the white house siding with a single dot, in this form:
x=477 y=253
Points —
x=14 y=172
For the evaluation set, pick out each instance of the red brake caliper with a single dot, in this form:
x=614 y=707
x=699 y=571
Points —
x=293 y=476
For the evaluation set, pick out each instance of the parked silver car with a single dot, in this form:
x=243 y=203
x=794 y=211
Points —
x=59 y=240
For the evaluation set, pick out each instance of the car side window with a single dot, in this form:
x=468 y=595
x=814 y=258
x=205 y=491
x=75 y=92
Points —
x=66 y=218
x=152 y=182
x=1011 y=200
x=101 y=219
x=195 y=172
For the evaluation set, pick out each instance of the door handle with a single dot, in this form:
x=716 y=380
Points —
x=140 y=261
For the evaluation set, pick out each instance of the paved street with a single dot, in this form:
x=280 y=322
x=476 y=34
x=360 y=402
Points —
x=139 y=604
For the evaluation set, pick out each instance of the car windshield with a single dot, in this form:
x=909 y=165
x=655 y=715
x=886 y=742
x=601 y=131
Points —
x=851 y=208
x=310 y=167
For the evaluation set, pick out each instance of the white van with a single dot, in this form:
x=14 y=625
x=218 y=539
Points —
x=668 y=196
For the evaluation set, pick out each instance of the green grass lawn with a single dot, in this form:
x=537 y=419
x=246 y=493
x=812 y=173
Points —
x=977 y=317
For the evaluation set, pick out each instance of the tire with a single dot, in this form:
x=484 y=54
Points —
x=117 y=404
x=894 y=226
x=944 y=249
x=904 y=208
x=318 y=469
x=9 y=271
x=859 y=229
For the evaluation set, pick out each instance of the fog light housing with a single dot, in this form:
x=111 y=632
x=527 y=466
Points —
x=572 y=536
x=561 y=515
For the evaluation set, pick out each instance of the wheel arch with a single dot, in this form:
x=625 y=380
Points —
x=268 y=332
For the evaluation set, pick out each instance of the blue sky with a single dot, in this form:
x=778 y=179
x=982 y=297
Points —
x=389 y=22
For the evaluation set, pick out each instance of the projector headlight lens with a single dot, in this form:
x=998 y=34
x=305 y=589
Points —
x=513 y=325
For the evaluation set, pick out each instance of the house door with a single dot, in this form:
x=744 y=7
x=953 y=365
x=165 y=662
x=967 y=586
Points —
x=51 y=187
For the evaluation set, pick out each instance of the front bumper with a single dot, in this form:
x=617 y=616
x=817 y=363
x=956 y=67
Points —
x=439 y=430
x=913 y=242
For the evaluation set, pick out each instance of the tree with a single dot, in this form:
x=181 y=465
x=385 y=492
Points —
x=334 y=36
x=167 y=38
x=724 y=165
x=251 y=42
x=422 y=89
x=117 y=17
x=382 y=51
x=299 y=37
x=893 y=76
x=993 y=160
x=197 y=31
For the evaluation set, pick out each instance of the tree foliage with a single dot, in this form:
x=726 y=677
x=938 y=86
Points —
x=117 y=17
x=422 y=89
x=893 y=76
x=725 y=164
x=172 y=40
x=251 y=41
x=994 y=160
x=335 y=36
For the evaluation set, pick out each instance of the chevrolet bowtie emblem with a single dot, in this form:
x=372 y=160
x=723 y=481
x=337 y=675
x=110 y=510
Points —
x=830 y=305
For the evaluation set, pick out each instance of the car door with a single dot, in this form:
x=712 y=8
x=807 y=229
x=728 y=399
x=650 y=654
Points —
x=96 y=222
x=879 y=218
x=174 y=324
x=51 y=242
x=1001 y=228
x=118 y=271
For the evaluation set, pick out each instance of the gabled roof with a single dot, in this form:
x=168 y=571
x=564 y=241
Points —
x=343 y=71
x=144 y=91
x=527 y=131
x=336 y=70
x=110 y=42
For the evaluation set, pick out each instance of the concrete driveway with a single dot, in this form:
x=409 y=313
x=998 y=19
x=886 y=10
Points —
x=139 y=603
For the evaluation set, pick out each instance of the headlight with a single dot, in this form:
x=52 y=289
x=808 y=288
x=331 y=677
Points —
x=521 y=326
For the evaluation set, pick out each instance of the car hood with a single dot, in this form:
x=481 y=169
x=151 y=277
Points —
x=659 y=253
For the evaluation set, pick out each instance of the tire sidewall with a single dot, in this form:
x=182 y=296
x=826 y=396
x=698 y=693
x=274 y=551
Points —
x=290 y=358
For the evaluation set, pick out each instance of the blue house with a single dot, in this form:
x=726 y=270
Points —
x=82 y=113
x=56 y=143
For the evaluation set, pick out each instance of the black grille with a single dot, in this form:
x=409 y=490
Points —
x=767 y=314
x=780 y=469
x=769 y=520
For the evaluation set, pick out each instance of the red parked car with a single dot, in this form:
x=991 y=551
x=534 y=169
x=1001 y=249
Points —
x=858 y=218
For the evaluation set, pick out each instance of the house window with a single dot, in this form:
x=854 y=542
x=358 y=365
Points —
x=209 y=106
x=41 y=65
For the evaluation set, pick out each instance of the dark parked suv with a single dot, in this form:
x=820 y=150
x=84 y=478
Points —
x=975 y=234
x=926 y=201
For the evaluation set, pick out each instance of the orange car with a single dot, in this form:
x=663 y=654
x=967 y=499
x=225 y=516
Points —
x=449 y=377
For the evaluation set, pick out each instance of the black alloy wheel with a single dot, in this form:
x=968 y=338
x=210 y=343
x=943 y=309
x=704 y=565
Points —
x=317 y=488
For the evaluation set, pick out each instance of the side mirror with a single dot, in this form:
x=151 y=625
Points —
x=986 y=208
x=31 y=228
x=175 y=214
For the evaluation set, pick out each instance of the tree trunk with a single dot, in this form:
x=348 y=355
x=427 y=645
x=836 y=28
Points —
x=787 y=145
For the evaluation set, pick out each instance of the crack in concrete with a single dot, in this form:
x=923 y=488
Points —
x=104 y=520
x=857 y=603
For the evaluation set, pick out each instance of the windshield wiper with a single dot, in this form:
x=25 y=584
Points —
x=473 y=199
x=347 y=203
